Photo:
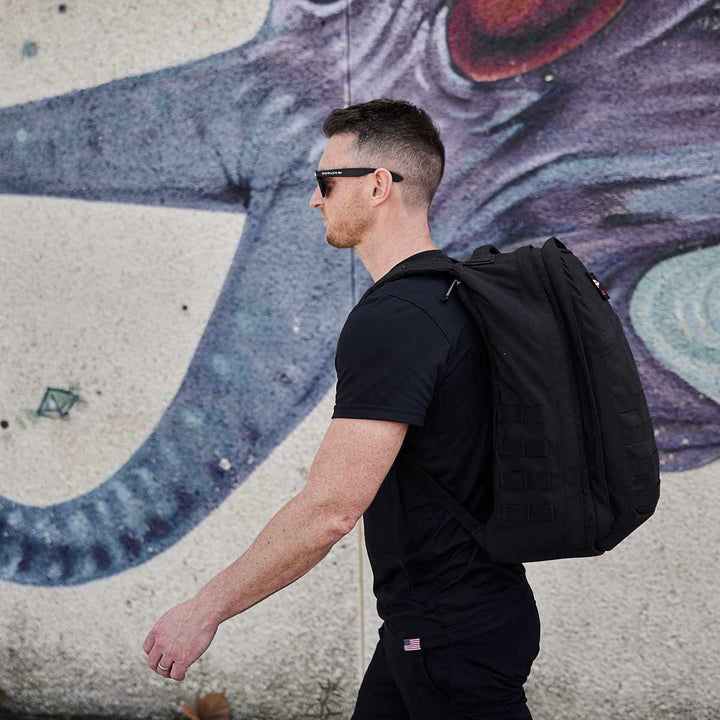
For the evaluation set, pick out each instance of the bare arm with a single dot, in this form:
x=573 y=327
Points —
x=353 y=459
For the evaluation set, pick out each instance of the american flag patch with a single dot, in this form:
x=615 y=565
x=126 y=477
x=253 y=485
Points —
x=411 y=644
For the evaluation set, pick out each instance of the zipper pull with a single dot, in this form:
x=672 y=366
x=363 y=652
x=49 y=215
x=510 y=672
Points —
x=450 y=289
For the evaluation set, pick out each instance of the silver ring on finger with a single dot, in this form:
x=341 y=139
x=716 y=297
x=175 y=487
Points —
x=162 y=667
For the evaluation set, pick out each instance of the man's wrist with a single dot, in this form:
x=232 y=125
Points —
x=208 y=606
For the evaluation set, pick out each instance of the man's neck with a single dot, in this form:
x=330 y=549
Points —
x=382 y=257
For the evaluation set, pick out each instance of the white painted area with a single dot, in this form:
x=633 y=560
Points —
x=92 y=297
x=80 y=648
x=94 y=42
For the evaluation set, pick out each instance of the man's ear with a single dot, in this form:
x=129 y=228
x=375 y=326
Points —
x=378 y=188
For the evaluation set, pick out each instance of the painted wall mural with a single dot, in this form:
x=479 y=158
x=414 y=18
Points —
x=593 y=121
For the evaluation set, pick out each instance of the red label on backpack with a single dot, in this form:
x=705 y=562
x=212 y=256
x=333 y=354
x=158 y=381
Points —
x=603 y=292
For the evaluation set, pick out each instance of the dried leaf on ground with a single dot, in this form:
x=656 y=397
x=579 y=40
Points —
x=210 y=707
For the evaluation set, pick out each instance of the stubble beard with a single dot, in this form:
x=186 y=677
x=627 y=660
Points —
x=348 y=235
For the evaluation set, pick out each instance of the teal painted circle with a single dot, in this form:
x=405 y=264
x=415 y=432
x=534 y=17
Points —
x=675 y=309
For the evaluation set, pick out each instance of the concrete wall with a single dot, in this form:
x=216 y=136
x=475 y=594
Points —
x=171 y=309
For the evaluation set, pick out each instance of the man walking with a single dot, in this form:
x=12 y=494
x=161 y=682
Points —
x=460 y=632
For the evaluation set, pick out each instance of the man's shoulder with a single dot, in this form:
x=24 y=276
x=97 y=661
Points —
x=425 y=293
x=423 y=290
x=409 y=301
x=395 y=307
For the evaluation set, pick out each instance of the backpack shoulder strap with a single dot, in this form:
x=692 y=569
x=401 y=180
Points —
x=442 y=496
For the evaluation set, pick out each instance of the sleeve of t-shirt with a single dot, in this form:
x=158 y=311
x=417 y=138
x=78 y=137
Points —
x=390 y=356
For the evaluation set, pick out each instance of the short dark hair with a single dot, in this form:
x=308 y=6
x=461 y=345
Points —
x=399 y=136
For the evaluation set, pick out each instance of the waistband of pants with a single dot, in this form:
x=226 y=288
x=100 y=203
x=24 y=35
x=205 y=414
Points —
x=524 y=604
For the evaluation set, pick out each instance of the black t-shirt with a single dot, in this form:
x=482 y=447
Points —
x=405 y=355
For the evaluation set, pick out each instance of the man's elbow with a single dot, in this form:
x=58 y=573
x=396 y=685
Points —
x=344 y=523
x=335 y=521
x=339 y=523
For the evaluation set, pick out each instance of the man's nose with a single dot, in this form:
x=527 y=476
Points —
x=316 y=198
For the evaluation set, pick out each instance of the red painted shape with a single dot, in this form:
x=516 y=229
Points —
x=495 y=39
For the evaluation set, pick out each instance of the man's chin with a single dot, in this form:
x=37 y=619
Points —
x=335 y=242
x=340 y=242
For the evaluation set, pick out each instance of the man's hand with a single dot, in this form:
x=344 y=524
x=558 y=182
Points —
x=178 y=639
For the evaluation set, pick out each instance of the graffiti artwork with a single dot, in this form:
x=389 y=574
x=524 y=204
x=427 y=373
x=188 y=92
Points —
x=592 y=121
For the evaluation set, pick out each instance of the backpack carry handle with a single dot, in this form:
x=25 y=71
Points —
x=482 y=255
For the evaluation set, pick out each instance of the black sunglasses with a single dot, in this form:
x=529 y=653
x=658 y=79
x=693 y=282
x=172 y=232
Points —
x=347 y=172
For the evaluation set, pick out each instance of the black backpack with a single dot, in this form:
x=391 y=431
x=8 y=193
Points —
x=575 y=466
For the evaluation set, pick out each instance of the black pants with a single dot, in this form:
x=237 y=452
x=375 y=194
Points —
x=479 y=677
